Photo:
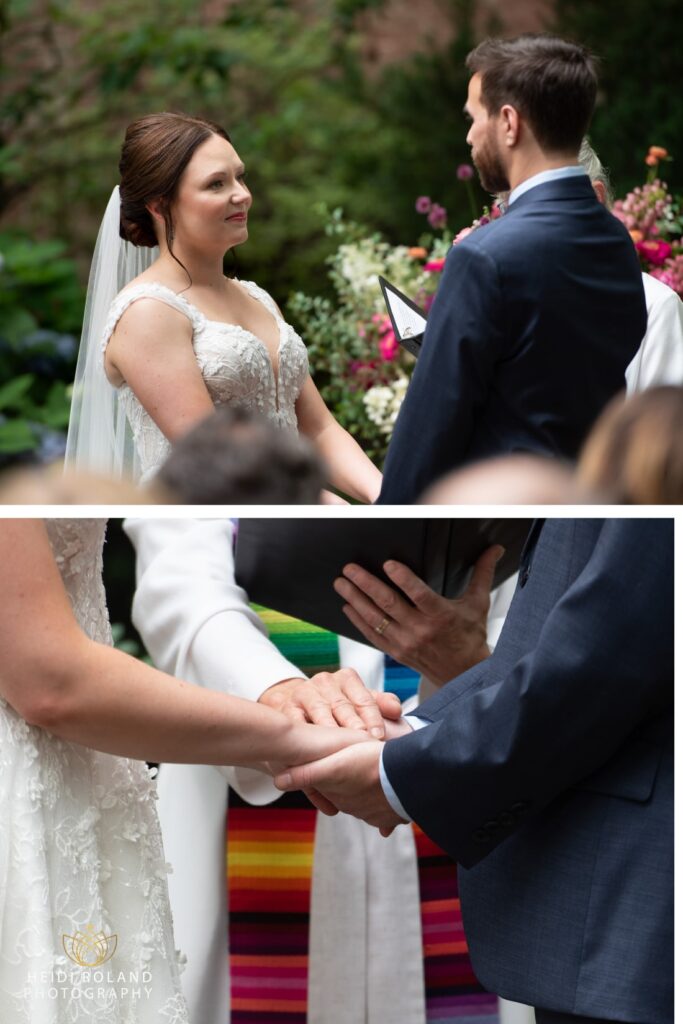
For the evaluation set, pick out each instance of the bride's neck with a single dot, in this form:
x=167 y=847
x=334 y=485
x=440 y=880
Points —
x=205 y=271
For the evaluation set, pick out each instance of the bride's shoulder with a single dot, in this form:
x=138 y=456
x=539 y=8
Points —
x=145 y=303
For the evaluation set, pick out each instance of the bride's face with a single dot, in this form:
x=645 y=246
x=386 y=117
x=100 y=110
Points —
x=210 y=209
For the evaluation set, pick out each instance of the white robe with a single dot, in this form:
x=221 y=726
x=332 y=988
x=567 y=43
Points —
x=659 y=360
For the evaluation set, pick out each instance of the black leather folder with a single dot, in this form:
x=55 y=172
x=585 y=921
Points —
x=290 y=564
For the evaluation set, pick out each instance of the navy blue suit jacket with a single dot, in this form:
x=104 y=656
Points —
x=537 y=316
x=547 y=773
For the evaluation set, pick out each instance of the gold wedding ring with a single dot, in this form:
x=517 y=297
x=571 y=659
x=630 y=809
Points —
x=382 y=626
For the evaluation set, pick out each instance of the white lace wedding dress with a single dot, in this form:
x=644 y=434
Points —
x=235 y=365
x=81 y=852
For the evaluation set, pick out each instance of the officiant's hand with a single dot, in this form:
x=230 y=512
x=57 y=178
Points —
x=436 y=636
x=346 y=781
x=334 y=698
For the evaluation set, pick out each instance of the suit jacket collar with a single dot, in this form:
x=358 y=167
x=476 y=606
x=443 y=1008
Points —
x=576 y=187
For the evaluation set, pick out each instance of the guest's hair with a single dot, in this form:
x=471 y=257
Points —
x=591 y=163
x=551 y=81
x=235 y=456
x=156 y=150
x=634 y=453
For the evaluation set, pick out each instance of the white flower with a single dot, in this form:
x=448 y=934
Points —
x=383 y=402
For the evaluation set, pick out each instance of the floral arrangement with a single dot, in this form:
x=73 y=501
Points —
x=359 y=366
x=654 y=219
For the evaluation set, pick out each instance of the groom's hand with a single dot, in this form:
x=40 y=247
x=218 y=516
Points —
x=436 y=636
x=333 y=698
x=347 y=781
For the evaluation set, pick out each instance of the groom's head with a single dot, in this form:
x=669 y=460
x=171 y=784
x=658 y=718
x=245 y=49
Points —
x=533 y=95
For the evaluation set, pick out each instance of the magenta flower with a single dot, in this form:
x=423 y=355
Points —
x=423 y=204
x=437 y=216
x=654 y=250
x=464 y=172
x=435 y=266
x=388 y=346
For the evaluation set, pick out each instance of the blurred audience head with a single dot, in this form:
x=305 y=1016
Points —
x=634 y=453
x=507 y=480
x=236 y=457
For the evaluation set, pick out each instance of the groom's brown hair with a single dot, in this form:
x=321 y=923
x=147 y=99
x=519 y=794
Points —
x=552 y=82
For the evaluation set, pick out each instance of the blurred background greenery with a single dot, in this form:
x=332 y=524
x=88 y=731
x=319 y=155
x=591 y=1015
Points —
x=353 y=104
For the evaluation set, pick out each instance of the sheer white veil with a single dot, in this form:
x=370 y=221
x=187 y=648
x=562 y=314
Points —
x=99 y=438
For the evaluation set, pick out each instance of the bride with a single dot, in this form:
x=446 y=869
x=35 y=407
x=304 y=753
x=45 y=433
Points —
x=181 y=337
x=86 y=931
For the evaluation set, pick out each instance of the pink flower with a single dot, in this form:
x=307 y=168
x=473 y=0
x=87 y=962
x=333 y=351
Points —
x=464 y=172
x=437 y=216
x=672 y=273
x=463 y=233
x=423 y=204
x=383 y=322
x=654 y=250
x=388 y=346
x=435 y=266
x=495 y=212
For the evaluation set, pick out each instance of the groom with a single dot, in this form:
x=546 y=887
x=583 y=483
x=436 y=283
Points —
x=538 y=313
x=546 y=771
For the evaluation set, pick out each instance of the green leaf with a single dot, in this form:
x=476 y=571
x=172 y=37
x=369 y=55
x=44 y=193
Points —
x=16 y=436
x=12 y=393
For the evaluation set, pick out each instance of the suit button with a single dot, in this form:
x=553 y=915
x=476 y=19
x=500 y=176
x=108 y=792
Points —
x=506 y=819
x=492 y=827
x=481 y=837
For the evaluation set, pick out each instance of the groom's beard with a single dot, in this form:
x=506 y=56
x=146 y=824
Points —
x=492 y=173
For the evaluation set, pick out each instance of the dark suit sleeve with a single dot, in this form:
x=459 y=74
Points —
x=501 y=750
x=451 y=379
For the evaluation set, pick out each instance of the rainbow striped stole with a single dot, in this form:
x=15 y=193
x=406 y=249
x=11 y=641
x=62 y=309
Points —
x=269 y=865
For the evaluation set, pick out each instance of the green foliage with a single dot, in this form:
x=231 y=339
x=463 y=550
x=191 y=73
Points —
x=357 y=364
x=311 y=121
x=641 y=67
x=38 y=287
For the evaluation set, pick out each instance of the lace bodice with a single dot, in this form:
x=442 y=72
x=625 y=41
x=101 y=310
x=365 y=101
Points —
x=235 y=365
x=81 y=851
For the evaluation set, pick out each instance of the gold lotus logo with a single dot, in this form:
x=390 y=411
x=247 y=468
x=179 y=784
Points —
x=89 y=948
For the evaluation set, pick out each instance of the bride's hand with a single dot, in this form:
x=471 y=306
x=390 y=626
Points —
x=306 y=742
x=311 y=742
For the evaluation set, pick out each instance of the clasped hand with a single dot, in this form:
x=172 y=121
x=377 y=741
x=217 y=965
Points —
x=438 y=637
x=341 y=699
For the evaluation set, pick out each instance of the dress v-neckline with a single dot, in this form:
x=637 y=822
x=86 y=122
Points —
x=279 y=323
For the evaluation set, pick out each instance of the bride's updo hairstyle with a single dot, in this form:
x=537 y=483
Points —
x=156 y=150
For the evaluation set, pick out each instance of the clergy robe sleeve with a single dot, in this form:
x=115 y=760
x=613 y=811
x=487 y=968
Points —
x=196 y=622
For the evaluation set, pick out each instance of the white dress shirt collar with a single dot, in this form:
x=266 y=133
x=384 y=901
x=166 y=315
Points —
x=572 y=171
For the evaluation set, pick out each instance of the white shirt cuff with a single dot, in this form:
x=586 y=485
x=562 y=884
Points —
x=415 y=722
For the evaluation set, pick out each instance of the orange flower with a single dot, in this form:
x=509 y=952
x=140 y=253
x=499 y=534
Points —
x=651 y=160
x=417 y=252
x=658 y=152
x=637 y=236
